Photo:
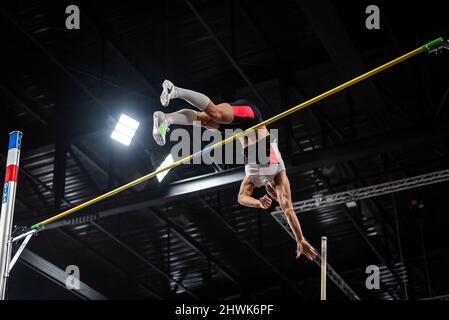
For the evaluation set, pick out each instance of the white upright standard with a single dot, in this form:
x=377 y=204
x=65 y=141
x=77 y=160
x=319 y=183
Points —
x=8 y=200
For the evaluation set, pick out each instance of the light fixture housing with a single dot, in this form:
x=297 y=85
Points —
x=125 y=129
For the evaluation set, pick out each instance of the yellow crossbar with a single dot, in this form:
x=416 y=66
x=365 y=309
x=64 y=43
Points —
x=364 y=76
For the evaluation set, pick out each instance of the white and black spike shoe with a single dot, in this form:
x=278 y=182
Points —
x=160 y=127
x=168 y=92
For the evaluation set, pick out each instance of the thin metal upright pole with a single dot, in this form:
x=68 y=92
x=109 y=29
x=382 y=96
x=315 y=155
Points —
x=8 y=201
x=323 y=294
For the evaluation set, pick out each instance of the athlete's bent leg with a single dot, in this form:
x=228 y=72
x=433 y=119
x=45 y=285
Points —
x=170 y=91
x=221 y=113
x=182 y=117
x=162 y=122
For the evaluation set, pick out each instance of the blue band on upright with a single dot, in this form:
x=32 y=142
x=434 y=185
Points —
x=15 y=140
x=5 y=193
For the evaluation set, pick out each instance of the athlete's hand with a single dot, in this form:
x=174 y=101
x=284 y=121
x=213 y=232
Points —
x=305 y=248
x=265 y=202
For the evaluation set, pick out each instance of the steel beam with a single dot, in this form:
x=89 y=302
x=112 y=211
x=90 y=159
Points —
x=443 y=297
x=196 y=246
x=343 y=197
x=113 y=264
x=57 y=275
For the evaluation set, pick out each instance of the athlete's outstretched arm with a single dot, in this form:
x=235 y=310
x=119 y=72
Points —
x=245 y=198
x=283 y=192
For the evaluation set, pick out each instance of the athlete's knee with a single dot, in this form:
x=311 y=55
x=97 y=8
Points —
x=215 y=112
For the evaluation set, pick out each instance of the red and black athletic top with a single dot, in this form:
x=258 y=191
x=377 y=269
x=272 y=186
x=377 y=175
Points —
x=246 y=115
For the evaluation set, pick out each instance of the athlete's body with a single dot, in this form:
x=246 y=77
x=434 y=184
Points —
x=239 y=115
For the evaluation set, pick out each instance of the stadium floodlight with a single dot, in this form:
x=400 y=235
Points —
x=125 y=129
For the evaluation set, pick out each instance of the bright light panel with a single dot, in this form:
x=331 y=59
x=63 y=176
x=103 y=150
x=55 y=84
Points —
x=168 y=161
x=351 y=204
x=129 y=122
x=117 y=136
x=125 y=129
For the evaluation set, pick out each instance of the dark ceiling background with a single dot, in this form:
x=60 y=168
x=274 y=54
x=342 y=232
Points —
x=65 y=89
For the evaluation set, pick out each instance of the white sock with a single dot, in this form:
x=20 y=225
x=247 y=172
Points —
x=183 y=117
x=196 y=99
